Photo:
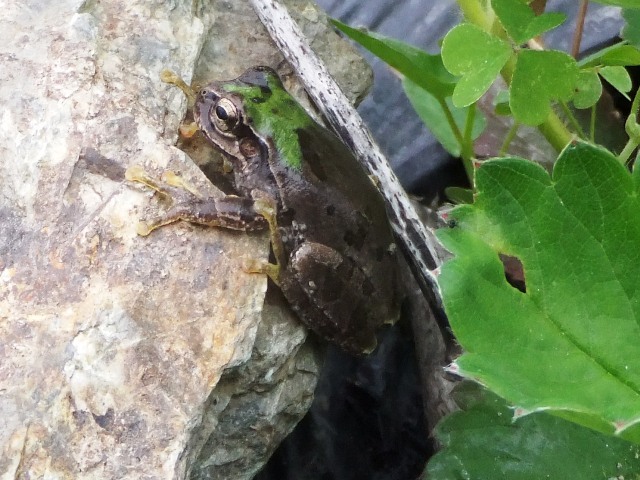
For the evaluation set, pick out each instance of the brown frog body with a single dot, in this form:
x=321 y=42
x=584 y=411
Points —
x=333 y=246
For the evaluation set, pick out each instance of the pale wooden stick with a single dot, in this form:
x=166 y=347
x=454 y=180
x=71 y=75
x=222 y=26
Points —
x=418 y=241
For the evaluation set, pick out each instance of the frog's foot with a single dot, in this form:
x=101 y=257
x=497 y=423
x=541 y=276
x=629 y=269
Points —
x=172 y=78
x=170 y=185
x=167 y=76
x=189 y=130
x=236 y=213
x=262 y=266
x=173 y=180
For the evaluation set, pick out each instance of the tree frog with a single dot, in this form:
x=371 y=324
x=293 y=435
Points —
x=335 y=257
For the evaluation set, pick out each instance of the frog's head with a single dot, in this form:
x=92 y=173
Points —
x=251 y=115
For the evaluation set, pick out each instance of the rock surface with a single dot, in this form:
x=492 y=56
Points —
x=122 y=356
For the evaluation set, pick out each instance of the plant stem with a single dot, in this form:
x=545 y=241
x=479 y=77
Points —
x=592 y=124
x=475 y=13
x=451 y=121
x=572 y=120
x=553 y=129
x=627 y=151
x=633 y=130
x=511 y=134
x=555 y=132
x=467 y=146
x=577 y=35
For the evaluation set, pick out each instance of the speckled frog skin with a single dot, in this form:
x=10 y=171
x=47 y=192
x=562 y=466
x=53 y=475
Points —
x=335 y=258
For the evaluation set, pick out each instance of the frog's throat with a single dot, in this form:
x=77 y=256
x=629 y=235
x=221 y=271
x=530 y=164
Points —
x=275 y=114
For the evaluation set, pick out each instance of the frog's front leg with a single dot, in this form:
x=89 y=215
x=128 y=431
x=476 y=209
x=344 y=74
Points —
x=267 y=208
x=233 y=212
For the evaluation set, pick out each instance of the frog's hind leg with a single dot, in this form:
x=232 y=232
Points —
x=338 y=294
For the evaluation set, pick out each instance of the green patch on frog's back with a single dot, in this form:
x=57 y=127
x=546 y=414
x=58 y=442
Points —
x=274 y=113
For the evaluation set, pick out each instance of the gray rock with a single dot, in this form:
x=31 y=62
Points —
x=128 y=357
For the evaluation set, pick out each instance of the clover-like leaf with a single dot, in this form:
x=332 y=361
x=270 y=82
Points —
x=478 y=57
x=631 y=30
x=619 y=79
x=459 y=194
x=588 y=89
x=417 y=65
x=571 y=343
x=621 y=3
x=619 y=54
x=501 y=103
x=539 y=78
x=483 y=442
x=520 y=21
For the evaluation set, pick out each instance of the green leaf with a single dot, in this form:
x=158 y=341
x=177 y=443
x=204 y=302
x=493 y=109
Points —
x=483 y=442
x=432 y=112
x=631 y=31
x=588 y=89
x=520 y=21
x=478 y=57
x=417 y=65
x=459 y=195
x=620 y=3
x=501 y=103
x=620 y=54
x=619 y=79
x=538 y=79
x=571 y=343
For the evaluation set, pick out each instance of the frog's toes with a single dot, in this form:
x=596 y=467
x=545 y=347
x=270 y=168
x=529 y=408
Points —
x=172 y=78
x=170 y=184
x=265 y=206
x=189 y=130
x=169 y=76
x=252 y=265
x=171 y=178
x=143 y=229
x=136 y=173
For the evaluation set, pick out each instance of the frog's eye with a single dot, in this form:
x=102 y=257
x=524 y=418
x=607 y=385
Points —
x=224 y=115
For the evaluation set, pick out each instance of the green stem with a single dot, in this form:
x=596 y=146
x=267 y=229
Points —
x=475 y=13
x=466 y=150
x=511 y=134
x=467 y=146
x=592 y=125
x=633 y=130
x=572 y=120
x=626 y=152
x=451 y=121
x=555 y=132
